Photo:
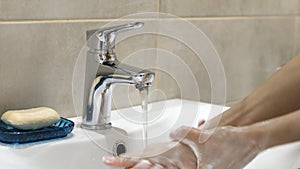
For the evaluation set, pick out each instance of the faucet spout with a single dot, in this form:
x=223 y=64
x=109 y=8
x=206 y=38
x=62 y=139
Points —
x=98 y=110
x=140 y=77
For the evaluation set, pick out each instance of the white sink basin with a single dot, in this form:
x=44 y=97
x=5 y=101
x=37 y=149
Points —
x=84 y=149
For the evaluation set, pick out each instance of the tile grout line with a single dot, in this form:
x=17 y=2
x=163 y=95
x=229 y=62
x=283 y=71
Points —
x=296 y=27
x=157 y=46
x=296 y=30
x=113 y=19
x=158 y=7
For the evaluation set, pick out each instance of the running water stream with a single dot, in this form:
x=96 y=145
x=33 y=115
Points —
x=144 y=104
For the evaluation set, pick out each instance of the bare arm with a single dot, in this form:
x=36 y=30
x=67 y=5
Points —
x=259 y=129
x=277 y=131
x=278 y=95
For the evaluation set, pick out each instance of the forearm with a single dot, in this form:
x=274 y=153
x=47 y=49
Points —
x=277 y=131
x=279 y=95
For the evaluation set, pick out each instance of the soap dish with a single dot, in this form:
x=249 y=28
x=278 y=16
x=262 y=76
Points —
x=12 y=135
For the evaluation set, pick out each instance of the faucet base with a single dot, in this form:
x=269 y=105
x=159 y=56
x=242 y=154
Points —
x=96 y=127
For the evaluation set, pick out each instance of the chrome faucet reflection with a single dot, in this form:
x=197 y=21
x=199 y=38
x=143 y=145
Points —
x=103 y=72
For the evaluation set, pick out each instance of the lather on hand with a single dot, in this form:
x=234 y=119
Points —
x=216 y=152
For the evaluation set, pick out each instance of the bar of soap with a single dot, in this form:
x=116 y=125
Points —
x=31 y=119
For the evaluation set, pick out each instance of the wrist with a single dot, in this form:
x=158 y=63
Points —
x=257 y=133
x=190 y=147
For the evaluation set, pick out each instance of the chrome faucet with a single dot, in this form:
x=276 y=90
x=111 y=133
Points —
x=103 y=72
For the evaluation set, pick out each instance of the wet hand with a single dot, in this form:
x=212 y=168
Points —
x=171 y=155
x=222 y=148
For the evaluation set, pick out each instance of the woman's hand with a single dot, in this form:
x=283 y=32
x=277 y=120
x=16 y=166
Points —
x=171 y=155
x=227 y=147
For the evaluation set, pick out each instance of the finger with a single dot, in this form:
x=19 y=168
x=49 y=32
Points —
x=120 y=161
x=185 y=133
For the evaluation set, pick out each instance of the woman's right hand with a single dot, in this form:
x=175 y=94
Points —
x=225 y=148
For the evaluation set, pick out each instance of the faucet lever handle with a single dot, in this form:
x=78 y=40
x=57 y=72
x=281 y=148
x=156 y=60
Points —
x=108 y=35
x=102 y=41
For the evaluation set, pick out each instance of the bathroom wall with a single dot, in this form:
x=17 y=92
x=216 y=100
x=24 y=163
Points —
x=253 y=38
x=298 y=30
x=40 y=42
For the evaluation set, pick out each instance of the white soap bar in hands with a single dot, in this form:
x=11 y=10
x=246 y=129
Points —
x=31 y=119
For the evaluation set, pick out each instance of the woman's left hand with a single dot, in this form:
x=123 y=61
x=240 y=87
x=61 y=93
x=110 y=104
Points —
x=171 y=155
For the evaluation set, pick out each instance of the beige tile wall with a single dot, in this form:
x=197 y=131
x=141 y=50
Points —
x=250 y=50
x=203 y=8
x=41 y=40
x=73 y=9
